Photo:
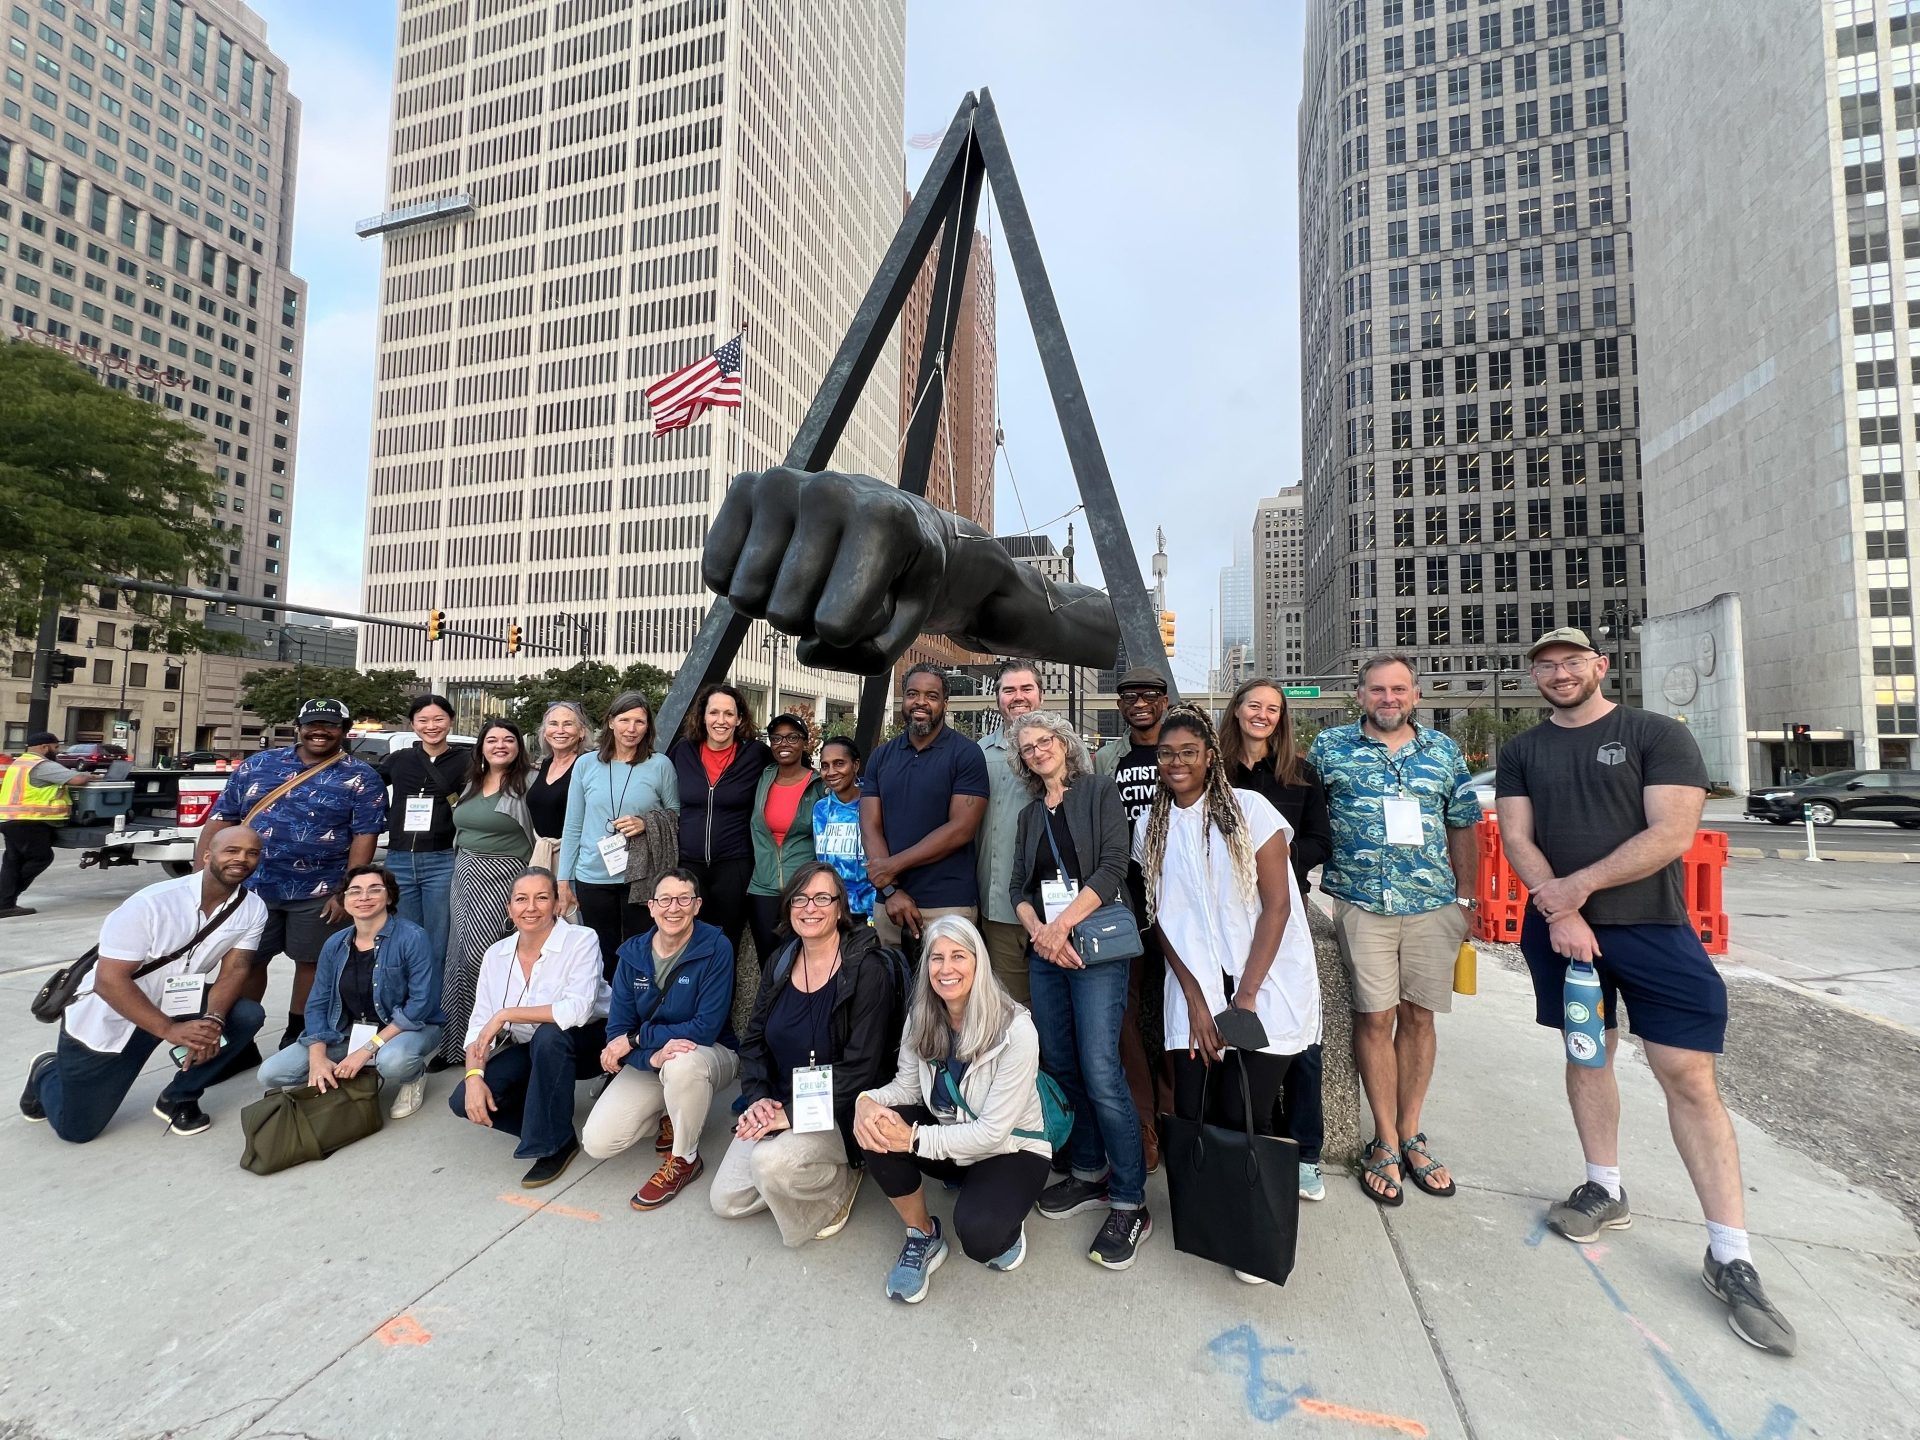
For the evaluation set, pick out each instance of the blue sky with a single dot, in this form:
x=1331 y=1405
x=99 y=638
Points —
x=1158 y=164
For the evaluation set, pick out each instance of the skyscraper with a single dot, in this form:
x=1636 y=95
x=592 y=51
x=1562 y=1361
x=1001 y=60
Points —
x=1471 y=452
x=1236 y=597
x=584 y=195
x=1780 y=404
x=1279 y=583
x=147 y=164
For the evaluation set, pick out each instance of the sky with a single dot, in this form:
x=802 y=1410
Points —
x=1158 y=164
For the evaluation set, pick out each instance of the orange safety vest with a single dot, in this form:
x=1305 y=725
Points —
x=21 y=799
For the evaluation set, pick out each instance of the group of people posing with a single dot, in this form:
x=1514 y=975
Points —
x=946 y=936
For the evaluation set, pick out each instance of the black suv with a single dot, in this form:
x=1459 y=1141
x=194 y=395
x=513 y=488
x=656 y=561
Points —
x=1845 y=795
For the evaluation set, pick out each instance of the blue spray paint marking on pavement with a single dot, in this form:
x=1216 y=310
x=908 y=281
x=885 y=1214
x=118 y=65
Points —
x=1267 y=1400
x=1538 y=1233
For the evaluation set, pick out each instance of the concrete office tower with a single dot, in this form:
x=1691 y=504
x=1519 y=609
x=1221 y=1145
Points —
x=1056 y=680
x=1279 y=585
x=584 y=195
x=1779 y=404
x=1236 y=598
x=147 y=161
x=1470 y=451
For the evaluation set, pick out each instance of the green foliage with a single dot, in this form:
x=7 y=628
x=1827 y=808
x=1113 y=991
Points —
x=1481 y=733
x=591 y=684
x=95 y=482
x=380 y=695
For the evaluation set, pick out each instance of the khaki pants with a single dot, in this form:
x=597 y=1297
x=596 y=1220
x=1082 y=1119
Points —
x=890 y=933
x=629 y=1109
x=802 y=1179
x=1007 y=953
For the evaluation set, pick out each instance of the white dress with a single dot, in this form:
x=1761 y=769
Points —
x=1208 y=923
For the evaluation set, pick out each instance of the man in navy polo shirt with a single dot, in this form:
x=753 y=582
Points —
x=922 y=799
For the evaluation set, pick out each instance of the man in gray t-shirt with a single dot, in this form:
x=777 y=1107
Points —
x=33 y=800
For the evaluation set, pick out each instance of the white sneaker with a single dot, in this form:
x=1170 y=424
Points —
x=409 y=1098
x=1245 y=1278
x=1312 y=1187
x=845 y=1213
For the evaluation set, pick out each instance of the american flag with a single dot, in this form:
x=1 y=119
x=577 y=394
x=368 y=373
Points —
x=686 y=395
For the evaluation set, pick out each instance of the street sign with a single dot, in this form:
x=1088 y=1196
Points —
x=1300 y=692
x=119 y=729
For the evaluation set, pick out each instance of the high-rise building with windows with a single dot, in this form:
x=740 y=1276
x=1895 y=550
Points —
x=1279 y=585
x=147 y=163
x=1236 y=598
x=1780 y=420
x=584 y=195
x=1471 y=454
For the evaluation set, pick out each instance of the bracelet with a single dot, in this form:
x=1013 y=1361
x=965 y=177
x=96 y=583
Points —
x=476 y=1070
x=375 y=1041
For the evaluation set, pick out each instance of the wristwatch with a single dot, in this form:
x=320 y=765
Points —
x=633 y=1041
x=889 y=892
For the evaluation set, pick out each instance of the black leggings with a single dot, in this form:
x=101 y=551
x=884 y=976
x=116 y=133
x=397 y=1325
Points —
x=723 y=895
x=763 y=919
x=995 y=1193
x=606 y=910
x=1265 y=1076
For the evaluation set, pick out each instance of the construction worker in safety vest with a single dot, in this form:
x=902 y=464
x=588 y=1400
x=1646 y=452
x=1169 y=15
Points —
x=33 y=800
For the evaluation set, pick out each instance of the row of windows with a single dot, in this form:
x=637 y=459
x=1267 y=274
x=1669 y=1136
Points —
x=1502 y=469
x=1499 y=318
x=1471 y=629
x=1430 y=236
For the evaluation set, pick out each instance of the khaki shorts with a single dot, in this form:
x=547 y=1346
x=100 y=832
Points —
x=1400 y=957
x=890 y=932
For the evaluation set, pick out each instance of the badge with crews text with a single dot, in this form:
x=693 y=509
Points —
x=812 y=1098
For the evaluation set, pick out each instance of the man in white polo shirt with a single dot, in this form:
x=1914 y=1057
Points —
x=210 y=929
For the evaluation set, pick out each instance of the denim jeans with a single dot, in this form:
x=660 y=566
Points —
x=83 y=1088
x=426 y=892
x=1078 y=1015
x=532 y=1086
x=401 y=1059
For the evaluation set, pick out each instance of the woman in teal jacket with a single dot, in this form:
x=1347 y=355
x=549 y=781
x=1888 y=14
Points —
x=782 y=826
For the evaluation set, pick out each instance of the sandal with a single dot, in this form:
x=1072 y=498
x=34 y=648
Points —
x=1391 y=1195
x=1419 y=1173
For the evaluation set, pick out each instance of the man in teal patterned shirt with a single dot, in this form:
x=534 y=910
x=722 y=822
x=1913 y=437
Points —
x=1403 y=855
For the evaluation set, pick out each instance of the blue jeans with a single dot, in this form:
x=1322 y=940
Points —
x=83 y=1087
x=532 y=1086
x=401 y=1059
x=1078 y=1014
x=426 y=892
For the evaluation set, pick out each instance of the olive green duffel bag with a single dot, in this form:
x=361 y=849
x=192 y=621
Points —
x=289 y=1127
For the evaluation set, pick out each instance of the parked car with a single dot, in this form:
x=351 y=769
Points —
x=374 y=746
x=91 y=756
x=1844 y=795
x=1481 y=783
x=198 y=759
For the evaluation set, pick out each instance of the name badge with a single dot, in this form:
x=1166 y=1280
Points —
x=812 y=1099
x=184 y=998
x=1055 y=896
x=1403 y=821
x=419 y=816
x=359 y=1035
x=613 y=853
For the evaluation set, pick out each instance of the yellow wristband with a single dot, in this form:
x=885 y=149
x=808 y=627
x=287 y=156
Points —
x=476 y=1071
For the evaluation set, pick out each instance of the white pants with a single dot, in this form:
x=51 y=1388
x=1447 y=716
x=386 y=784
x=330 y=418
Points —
x=802 y=1179
x=630 y=1108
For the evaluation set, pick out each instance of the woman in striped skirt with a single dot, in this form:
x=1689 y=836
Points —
x=493 y=839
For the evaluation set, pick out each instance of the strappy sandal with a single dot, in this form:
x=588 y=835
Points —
x=1418 y=1173
x=1391 y=1195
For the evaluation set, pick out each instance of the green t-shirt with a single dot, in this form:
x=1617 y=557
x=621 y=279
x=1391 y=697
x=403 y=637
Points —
x=481 y=828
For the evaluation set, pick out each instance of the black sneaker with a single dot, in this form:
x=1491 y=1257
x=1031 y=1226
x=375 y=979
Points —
x=1070 y=1196
x=1749 y=1313
x=183 y=1117
x=1587 y=1211
x=549 y=1168
x=11 y=912
x=1120 y=1239
x=30 y=1105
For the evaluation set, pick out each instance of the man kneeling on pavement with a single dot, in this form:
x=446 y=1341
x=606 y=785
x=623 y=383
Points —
x=202 y=930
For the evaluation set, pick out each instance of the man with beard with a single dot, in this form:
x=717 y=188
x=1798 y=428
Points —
x=1597 y=806
x=1403 y=855
x=922 y=799
x=1017 y=693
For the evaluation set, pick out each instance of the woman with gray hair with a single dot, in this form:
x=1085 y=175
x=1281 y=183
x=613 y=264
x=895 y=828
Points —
x=963 y=1108
x=565 y=735
x=1069 y=859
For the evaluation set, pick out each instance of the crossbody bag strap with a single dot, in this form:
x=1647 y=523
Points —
x=972 y=1114
x=289 y=785
x=220 y=917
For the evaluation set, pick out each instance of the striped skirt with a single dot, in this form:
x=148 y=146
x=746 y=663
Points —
x=481 y=884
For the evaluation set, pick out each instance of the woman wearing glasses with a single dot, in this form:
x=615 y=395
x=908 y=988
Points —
x=1069 y=859
x=823 y=1030
x=782 y=826
x=670 y=1041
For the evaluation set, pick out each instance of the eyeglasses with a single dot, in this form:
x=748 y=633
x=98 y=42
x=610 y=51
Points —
x=815 y=902
x=673 y=902
x=1192 y=756
x=1129 y=697
x=1578 y=665
x=1037 y=747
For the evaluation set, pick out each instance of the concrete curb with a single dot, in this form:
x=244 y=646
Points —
x=1858 y=857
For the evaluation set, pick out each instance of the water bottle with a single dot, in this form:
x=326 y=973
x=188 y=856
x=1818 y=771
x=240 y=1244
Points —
x=1583 y=1016
x=1466 y=970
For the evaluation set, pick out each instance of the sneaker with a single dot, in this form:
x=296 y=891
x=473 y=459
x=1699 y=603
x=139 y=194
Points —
x=1070 y=1196
x=1587 y=1211
x=845 y=1213
x=673 y=1176
x=30 y=1105
x=183 y=1117
x=409 y=1098
x=11 y=911
x=1120 y=1239
x=549 y=1168
x=1247 y=1279
x=1749 y=1313
x=1010 y=1258
x=1312 y=1187
x=663 y=1142
x=913 y=1271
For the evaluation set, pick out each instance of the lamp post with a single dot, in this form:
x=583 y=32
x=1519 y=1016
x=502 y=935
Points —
x=776 y=643
x=1073 y=671
x=1617 y=624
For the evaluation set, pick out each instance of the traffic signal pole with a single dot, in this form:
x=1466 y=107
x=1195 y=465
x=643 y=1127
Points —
x=40 y=701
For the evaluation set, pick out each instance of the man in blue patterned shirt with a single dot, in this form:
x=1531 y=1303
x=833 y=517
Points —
x=1403 y=855
x=310 y=836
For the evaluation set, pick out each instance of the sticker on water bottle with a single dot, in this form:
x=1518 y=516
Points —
x=1576 y=1012
x=1580 y=1045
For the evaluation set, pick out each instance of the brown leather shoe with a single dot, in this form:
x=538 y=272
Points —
x=663 y=1142
x=673 y=1176
x=1150 y=1142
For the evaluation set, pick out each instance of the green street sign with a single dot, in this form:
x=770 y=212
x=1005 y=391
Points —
x=1300 y=692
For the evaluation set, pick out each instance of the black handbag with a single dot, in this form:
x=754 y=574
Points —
x=63 y=986
x=1109 y=933
x=1236 y=1195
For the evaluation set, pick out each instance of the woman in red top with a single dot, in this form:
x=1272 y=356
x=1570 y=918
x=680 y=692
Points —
x=782 y=826
x=718 y=761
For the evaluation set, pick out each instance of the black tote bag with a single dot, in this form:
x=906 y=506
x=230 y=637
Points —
x=1236 y=1195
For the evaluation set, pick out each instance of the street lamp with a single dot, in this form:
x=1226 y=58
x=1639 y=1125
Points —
x=1619 y=624
x=776 y=643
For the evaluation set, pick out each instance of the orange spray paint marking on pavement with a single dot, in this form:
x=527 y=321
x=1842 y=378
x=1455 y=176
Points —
x=527 y=1202
x=1370 y=1418
x=403 y=1330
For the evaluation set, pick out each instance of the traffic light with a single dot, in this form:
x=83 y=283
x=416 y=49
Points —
x=436 y=622
x=1166 y=632
x=62 y=668
x=513 y=638
x=1803 y=732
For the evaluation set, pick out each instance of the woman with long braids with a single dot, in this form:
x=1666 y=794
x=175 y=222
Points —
x=1222 y=890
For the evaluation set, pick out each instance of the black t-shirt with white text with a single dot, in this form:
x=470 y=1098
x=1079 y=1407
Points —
x=1586 y=783
x=1138 y=776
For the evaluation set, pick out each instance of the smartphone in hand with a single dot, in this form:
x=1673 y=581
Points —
x=179 y=1053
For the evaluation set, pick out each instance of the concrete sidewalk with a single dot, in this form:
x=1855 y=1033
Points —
x=408 y=1287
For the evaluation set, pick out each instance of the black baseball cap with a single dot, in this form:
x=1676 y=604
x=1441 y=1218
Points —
x=324 y=712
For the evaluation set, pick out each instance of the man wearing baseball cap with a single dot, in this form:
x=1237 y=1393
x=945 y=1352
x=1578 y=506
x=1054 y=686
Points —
x=33 y=801
x=318 y=812
x=1598 y=803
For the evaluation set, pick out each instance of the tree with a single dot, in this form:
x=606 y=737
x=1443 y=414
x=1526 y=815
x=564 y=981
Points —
x=381 y=695
x=590 y=684
x=1481 y=733
x=95 y=482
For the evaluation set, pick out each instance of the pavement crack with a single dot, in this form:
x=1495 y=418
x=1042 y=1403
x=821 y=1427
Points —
x=1428 y=1328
